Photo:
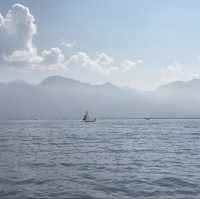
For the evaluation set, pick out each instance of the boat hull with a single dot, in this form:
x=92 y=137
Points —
x=94 y=120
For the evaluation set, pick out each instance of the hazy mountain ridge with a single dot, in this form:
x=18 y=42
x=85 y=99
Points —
x=59 y=97
x=192 y=84
x=184 y=94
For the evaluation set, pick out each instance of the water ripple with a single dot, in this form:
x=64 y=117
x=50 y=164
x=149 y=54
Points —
x=107 y=160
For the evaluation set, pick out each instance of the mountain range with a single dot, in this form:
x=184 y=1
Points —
x=59 y=97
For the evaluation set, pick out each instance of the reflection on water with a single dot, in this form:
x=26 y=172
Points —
x=107 y=159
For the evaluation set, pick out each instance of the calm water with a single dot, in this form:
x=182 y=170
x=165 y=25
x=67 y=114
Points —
x=107 y=159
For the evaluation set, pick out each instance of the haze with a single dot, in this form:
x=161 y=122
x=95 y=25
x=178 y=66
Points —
x=124 y=58
x=137 y=44
x=59 y=97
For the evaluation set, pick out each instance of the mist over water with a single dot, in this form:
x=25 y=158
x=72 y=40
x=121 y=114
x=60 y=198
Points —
x=133 y=158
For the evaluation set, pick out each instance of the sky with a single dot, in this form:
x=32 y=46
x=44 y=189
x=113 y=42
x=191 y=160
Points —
x=131 y=43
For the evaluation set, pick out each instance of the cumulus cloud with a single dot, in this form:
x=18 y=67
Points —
x=53 y=56
x=68 y=44
x=81 y=58
x=127 y=65
x=178 y=72
x=175 y=68
x=102 y=63
x=23 y=57
x=17 y=31
x=173 y=72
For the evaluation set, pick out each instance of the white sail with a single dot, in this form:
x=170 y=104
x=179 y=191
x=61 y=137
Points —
x=87 y=118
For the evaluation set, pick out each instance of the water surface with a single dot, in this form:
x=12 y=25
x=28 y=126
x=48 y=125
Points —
x=132 y=158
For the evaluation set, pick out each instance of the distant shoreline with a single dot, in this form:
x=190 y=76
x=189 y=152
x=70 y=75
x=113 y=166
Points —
x=108 y=118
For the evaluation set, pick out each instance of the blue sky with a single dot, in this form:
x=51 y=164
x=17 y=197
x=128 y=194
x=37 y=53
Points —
x=143 y=43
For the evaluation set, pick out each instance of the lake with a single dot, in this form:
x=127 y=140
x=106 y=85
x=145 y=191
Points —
x=109 y=159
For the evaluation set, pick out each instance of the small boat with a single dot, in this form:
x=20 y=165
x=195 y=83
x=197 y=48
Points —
x=87 y=118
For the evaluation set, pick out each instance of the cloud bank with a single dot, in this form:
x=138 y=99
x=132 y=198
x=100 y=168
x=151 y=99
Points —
x=17 y=31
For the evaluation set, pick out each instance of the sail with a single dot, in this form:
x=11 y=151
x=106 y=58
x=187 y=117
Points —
x=86 y=118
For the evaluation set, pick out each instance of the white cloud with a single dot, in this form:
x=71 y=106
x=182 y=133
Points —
x=1 y=20
x=17 y=31
x=175 y=68
x=127 y=65
x=178 y=72
x=24 y=57
x=102 y=63
x=173 y=72
x=84 y=59
x=68 y=44
x=81 y=58
x=196 y=75
x=140 y=61
x=103 y=59
x=53 y=56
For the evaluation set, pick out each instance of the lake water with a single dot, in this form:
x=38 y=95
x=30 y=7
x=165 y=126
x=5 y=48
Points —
x=133 y=158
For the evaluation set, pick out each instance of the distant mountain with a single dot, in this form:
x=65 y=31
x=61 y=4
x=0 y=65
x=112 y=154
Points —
x=60 y=82
x=59 y=97
x=182 y=85
x=185 y=95
x=57 y=81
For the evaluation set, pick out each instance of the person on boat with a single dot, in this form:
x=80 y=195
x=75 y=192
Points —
x=85 y=116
